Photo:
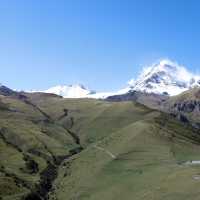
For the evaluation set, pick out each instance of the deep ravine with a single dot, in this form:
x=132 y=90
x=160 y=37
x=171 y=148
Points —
x=48 y=177
x=50 y=173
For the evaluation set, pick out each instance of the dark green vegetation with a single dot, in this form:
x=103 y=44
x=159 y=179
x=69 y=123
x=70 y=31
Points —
x=84 y=149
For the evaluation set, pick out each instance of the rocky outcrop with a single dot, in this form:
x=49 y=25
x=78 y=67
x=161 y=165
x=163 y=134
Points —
x=187 y=111
x=187 y=106
x=7 y=91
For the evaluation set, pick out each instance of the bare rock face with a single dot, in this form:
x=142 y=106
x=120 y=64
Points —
x=183 y=118
x=6 y=91
x=187 y=106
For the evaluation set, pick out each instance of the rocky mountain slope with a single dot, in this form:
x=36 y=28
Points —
x=185 y=106
x=151 y=100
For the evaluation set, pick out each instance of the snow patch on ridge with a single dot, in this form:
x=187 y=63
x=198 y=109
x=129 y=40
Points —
x=70 y=91
x=80 y=91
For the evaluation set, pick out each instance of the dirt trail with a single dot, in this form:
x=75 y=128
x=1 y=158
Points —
x=106 y=151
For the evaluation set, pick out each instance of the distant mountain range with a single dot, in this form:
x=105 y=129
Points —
x=164 y=77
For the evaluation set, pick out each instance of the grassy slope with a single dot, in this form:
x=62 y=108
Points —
x=27 y=143
x=149 y=148
x=90 y=116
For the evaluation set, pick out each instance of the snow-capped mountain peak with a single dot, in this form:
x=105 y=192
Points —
x=70 y=91
x=165 y=77
x=80 y=91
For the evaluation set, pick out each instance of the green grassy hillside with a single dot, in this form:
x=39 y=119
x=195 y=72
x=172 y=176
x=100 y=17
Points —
x=78 y=149
x=87 y=117
x=131 y=152
x=143 y=160
x=29 y=144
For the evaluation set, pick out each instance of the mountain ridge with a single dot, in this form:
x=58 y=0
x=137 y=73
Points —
x=164 y=77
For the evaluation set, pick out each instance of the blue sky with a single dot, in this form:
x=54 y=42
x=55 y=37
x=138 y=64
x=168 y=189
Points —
x=100 y=43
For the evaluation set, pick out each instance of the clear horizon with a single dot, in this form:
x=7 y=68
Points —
x=100 y=44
